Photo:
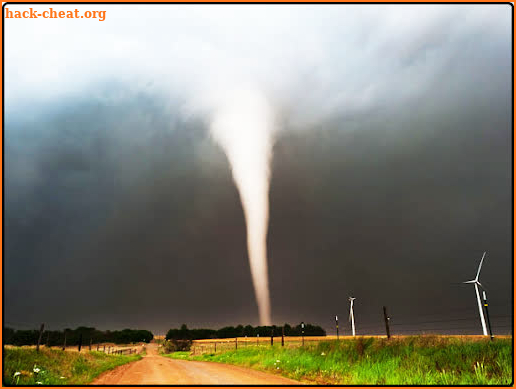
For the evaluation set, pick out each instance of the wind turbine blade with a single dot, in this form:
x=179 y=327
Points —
x=479 y=284
x=480 y=266
x=470 y=282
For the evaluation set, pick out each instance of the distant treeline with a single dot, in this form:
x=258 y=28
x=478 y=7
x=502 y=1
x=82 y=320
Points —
x=240 y=331
x=73 y=337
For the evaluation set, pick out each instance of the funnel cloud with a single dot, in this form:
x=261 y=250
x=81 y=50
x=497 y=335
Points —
x=243 y=126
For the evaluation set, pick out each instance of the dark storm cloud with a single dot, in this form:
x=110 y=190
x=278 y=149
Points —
x=107 y=218
x=391 y=173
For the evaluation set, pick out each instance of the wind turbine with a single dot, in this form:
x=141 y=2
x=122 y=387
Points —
x=351 y=315
x=477 y=284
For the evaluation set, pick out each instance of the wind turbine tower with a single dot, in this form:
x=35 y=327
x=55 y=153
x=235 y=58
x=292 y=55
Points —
x=351 y=315
x=477 y=284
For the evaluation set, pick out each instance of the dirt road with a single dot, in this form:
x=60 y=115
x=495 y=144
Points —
x=154 y=369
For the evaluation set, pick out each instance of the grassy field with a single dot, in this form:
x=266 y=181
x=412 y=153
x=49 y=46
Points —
x=417 y=360
x=57 y=367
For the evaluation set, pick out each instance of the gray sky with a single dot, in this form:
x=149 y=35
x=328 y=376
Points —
x=391 y=169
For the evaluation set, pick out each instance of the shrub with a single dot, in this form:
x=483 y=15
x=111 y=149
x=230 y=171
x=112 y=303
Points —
x=174 y=345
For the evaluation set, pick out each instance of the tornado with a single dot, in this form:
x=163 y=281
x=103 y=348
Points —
x=243 y=125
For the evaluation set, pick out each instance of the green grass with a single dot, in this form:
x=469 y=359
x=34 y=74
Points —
x=58 y=367
x=418 y=360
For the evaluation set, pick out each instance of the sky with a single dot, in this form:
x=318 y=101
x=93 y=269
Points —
x=390 y=171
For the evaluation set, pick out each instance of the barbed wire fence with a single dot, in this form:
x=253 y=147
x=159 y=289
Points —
x=428 y=324
x=105 y=347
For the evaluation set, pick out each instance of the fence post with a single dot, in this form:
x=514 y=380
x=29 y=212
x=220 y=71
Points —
x=236 y=343
x=386 y=319
x=257 y=339
x=98 y=345
x=64 y=343
x=283 y=336
x=215 y=346
x=39 y=337
x=272 y=336
x=80 y=342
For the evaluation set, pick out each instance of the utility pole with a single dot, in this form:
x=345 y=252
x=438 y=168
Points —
x=386 y=318
x=40 y=335
x=337 y=325
x=487 y=314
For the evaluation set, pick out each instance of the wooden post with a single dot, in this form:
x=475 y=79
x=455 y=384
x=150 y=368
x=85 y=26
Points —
x=40 y=335
x=257 y=339
x=215 y=346
x=302 y=334
x=283 y=336
x=80 y=342
x=64 y=343
x=386 y=319
x=272 y=336
x=236 y=343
